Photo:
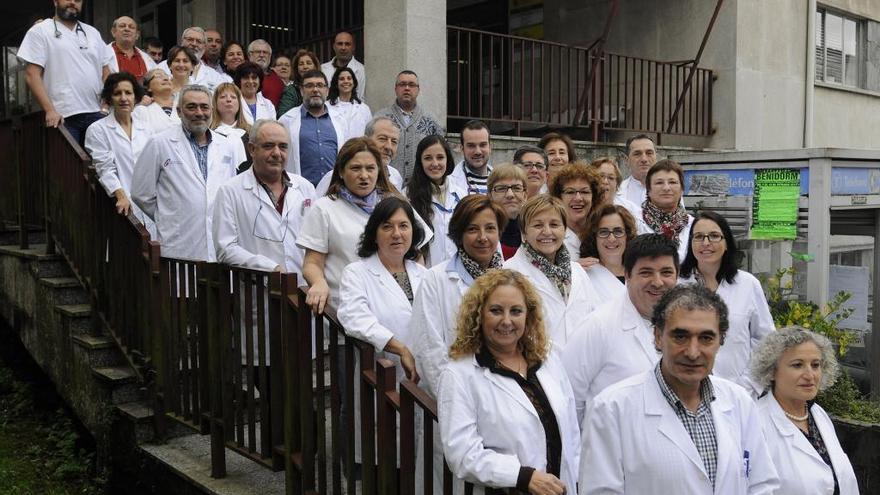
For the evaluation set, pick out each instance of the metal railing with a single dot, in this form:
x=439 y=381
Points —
x=533 y=83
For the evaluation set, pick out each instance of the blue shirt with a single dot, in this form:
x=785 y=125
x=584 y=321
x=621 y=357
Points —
x=200 y=150
x=317 y=146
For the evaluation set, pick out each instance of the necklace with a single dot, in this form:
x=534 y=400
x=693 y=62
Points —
x=517 y=370
x=797 y=418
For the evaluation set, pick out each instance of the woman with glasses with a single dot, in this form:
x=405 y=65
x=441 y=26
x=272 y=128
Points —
x=609 y=180
x=577 y=186
x=564 y=286
x=507 y=188
x=609 y=230
x=534 y=163
x=711 y=261
x=433 y=195
x=663 y=212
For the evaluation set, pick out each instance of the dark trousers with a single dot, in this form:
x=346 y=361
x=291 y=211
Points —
x=77 y=124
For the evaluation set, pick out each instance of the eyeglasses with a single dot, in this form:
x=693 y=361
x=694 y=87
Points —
x=605 y=233
x=714 y=237
x=516 y=188
x=574 y=192
x=407 y=85
x=311 y=86
x=530 y=165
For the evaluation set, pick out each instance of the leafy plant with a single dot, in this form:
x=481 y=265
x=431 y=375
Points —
x=844 y=398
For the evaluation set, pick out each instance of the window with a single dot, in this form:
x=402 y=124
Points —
x=840 y=45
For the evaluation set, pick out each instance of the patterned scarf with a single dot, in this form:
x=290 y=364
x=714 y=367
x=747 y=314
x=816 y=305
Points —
x=662 y=222
x=559 y=273
x=473 y=267
x=366 y=203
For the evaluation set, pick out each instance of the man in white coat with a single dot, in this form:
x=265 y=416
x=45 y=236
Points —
x=675 y=428
x=178 y=174
x=257 y=214
x=640 y=156
x=616 y=340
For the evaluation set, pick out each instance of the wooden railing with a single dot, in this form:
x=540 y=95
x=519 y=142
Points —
x=226 y=351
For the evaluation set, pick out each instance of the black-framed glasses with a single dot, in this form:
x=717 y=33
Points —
x=616 y=232
x=714 y=237
x=517 y=188
x=535 y=165
x=574 y=192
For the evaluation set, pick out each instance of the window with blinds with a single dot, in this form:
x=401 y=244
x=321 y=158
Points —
x=839 y=43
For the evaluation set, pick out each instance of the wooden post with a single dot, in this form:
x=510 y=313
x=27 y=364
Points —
x=386 y=400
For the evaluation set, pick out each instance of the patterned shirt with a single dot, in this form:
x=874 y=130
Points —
x=700 y=425
x=200 y=150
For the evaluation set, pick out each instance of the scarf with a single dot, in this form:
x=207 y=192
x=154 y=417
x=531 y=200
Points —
x=559 y=273
x=473 y=268
x=366 y=203
x=667 y=224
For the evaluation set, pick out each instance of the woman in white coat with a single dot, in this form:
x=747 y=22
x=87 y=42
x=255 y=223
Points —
x=795 y=364
x=663 y=212
x=345 y=104
x=566 y=291
x=609 y=230
x=434 y=196
x=162 y=112
x=577 y=186
x=711 y=261
x=254 y=106
x=507 y=416
x=116 y=141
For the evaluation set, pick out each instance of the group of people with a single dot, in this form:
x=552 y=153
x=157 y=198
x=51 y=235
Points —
x=581 y=331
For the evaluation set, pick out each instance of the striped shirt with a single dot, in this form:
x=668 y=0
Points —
x=477 y=184
x=700 y=425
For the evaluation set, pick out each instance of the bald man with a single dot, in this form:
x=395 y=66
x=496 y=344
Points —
x=128 y=57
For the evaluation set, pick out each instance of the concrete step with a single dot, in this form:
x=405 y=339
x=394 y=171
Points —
x=102 y=350
x=66 y=290
x=43 y=265
x=140 y=415
x=60 y=282
x=115 y=375
x=10 y=235
x=78 y=318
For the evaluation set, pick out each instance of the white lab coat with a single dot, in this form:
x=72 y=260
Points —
x=563 y=319
x=683 y=236
x=573 y=244
x=168 y=186
x=634 y=444
x=114 y=63
x=293 y=121
x=606 y=283
x=156 y=118
x=353 y=116
x=356 y=66
x=750 y=321
x=324 y=184
x=459 y=178
x=489 y=427
x=248 y=230
x=632 y=191
x=801 y=470
x=202 y=75
x=612 y=344
x=442 y=247
x=114 y=156
x=265 y=109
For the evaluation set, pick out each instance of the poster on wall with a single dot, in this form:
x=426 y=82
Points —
x=775 y=204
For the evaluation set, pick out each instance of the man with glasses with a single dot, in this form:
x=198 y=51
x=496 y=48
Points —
x=616 y=340
x=260 y=53
x=472 y=172
x=196 y=40
x=534 y=162
x=315 y=138
x=414 y=122
x=343 y=49
x=258 y=214
x=67 y=62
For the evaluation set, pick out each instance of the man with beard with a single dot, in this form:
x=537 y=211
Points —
x=178 y=174
x=260 y=53
x=385 y=134
x=315 y=137
x=67 y=62
x=128 y=57
x=196 y=40
x=472 y=173
x=211 y=58
x=343 y=48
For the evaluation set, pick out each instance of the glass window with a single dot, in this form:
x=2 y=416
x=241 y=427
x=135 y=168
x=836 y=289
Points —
x=839 y=45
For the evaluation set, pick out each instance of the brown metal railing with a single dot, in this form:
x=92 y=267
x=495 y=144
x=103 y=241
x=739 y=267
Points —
x=532 y=83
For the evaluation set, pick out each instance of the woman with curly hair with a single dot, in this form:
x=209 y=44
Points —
x=577 y=186
x=795 y=364
x=506 y=408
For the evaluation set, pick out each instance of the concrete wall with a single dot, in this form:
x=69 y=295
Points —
x=846 y=119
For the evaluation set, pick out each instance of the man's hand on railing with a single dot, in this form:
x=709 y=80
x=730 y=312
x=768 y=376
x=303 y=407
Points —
x=317 y=296
x=53 y=119
x=123 y=205
x=545 y=484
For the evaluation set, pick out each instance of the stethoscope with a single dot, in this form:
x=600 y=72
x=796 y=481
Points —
x=79 y=29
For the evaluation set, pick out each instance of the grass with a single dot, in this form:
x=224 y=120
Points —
x=41 y=449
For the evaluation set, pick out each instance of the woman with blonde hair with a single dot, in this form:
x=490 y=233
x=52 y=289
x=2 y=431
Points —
x=506 y=408
x=228 y=121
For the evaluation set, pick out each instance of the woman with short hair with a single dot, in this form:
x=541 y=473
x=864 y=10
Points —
x=254 y=106
x=162 y=112
x=231 y=56
x=181 y=62
x=795 y=364
x=610 y=179
x=577 y=187
x=564 y=286
x=507 y=186
x=506 y=408
x=560 y=151
x=663 y=212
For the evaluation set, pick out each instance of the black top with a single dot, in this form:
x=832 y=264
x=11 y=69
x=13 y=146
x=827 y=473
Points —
x=815 y=438
x=622 y=279
x=511 y=235
x=535 y=392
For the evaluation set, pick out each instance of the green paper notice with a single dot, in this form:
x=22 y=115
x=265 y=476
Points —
x=775 y=204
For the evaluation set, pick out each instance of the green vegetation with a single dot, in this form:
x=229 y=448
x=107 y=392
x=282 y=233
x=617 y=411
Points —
x=40 y=449
x=844 y=398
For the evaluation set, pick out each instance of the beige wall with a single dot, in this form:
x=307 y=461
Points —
x=845 y=119
x=869 y=9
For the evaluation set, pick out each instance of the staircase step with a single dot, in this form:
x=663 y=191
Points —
x=93 y=342
x=74 y=310
x=115 y=375
x=35 y=252
x=138 y=412
x=60 y=282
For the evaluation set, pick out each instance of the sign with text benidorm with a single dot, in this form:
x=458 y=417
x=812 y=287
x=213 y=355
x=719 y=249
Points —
x=775 y=204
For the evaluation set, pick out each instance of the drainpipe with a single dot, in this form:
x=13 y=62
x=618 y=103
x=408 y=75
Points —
x=810 y=76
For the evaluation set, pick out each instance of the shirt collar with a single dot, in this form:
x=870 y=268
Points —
x=305 y=111
x=285 y=179
x=192 y=139
x=707 y=391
